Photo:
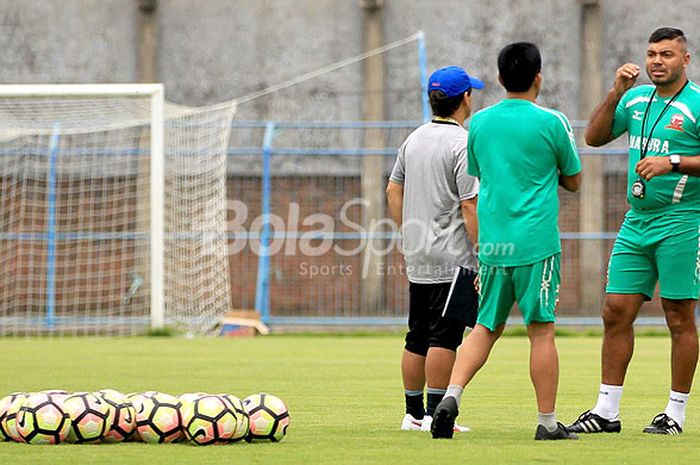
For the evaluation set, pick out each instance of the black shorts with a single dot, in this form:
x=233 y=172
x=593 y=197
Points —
x=426 y=325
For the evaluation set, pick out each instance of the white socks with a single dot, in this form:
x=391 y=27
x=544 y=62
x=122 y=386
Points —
x=548 y=420
x=675 y=409
x=454 y=390
x=608 y=405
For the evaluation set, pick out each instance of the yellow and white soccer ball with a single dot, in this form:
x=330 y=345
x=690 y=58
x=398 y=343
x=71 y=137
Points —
x=269 y=417
x=208 y=419
x=243 y=422
x=157 y=417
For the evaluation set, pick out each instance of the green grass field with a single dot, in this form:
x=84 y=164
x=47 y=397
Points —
x=346 y=400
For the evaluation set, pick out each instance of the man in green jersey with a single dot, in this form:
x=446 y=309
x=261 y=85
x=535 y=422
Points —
x=659 y=239
x=521 y=152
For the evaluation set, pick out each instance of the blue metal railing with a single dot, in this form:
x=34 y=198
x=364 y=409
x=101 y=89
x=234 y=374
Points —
x=262 y=293
x=51 y=235
x=423 y=66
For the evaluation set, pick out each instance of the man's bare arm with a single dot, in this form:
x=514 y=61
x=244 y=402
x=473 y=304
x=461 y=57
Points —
x=650 y=167
x=471 y=223
x=690 y=165
x=599 y=130
x=394 y=196
x=570 y=183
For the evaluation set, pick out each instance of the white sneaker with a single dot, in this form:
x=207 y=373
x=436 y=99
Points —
x=411 y=424
x=428 y=421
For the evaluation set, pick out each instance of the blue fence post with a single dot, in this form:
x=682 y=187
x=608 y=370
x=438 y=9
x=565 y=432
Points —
x=262 y=293
x=51 y=230
x=423 y=64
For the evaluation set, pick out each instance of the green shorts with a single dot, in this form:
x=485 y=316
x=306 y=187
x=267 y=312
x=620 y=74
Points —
x=651 y=248
x=535 y=287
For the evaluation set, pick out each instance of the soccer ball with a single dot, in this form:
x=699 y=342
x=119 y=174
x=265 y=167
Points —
x=9 y=422
x=243 y=423
x=91 y=417
x=137 y=399
x=208 y=420
x=42 y=420
x=8 y=414
x=4 y=404
x=124 y=417
x=157 y=417
x=269 y=417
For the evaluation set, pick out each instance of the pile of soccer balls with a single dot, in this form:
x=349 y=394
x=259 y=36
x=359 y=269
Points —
x=108 y=416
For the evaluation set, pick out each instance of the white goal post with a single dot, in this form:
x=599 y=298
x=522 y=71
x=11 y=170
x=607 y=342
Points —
x=70 y=150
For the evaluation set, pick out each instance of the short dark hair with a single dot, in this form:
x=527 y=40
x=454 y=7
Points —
x=667 y=33
x=518 y=64
x=442 y=105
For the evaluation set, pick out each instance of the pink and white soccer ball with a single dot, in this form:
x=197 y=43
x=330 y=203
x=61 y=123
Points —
x=9 y=408
x=242 y=420
x=43 y=420
x=123 y=416
x=91 y=417
x=157 y=417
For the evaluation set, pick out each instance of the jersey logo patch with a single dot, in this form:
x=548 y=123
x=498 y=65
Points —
x=637 y=115
x=676 y=122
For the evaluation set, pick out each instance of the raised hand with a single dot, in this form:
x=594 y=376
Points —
x=625 y=77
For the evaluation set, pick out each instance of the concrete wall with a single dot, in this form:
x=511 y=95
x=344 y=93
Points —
x=472 y=34
x=65 y=41
x=214 y=50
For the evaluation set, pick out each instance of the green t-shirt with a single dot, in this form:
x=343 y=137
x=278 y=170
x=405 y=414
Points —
x=678 y=132
x=518 y=150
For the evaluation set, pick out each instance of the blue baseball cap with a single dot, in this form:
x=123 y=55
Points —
x=453 y=81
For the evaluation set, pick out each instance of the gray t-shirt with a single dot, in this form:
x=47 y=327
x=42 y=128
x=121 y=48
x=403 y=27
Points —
x=432 y=166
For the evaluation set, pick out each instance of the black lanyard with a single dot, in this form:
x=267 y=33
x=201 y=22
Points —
x=644 y=147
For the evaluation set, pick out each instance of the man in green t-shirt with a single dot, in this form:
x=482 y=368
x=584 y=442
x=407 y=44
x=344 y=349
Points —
x=659 y=239
x=521 y=152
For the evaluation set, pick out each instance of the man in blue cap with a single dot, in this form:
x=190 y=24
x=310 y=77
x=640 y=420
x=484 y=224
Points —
x=432 y=200
x=520 y=152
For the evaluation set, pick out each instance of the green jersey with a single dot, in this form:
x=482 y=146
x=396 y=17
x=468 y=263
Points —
x=518 y=150
x=676 y=133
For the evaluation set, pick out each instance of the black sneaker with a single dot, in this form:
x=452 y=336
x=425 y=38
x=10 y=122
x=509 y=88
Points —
x=589 y=422
x=663 y=424
x=444 y=418
x=560 y=433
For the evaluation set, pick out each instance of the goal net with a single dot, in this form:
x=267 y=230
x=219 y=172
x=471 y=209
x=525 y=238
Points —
x=112 y=211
